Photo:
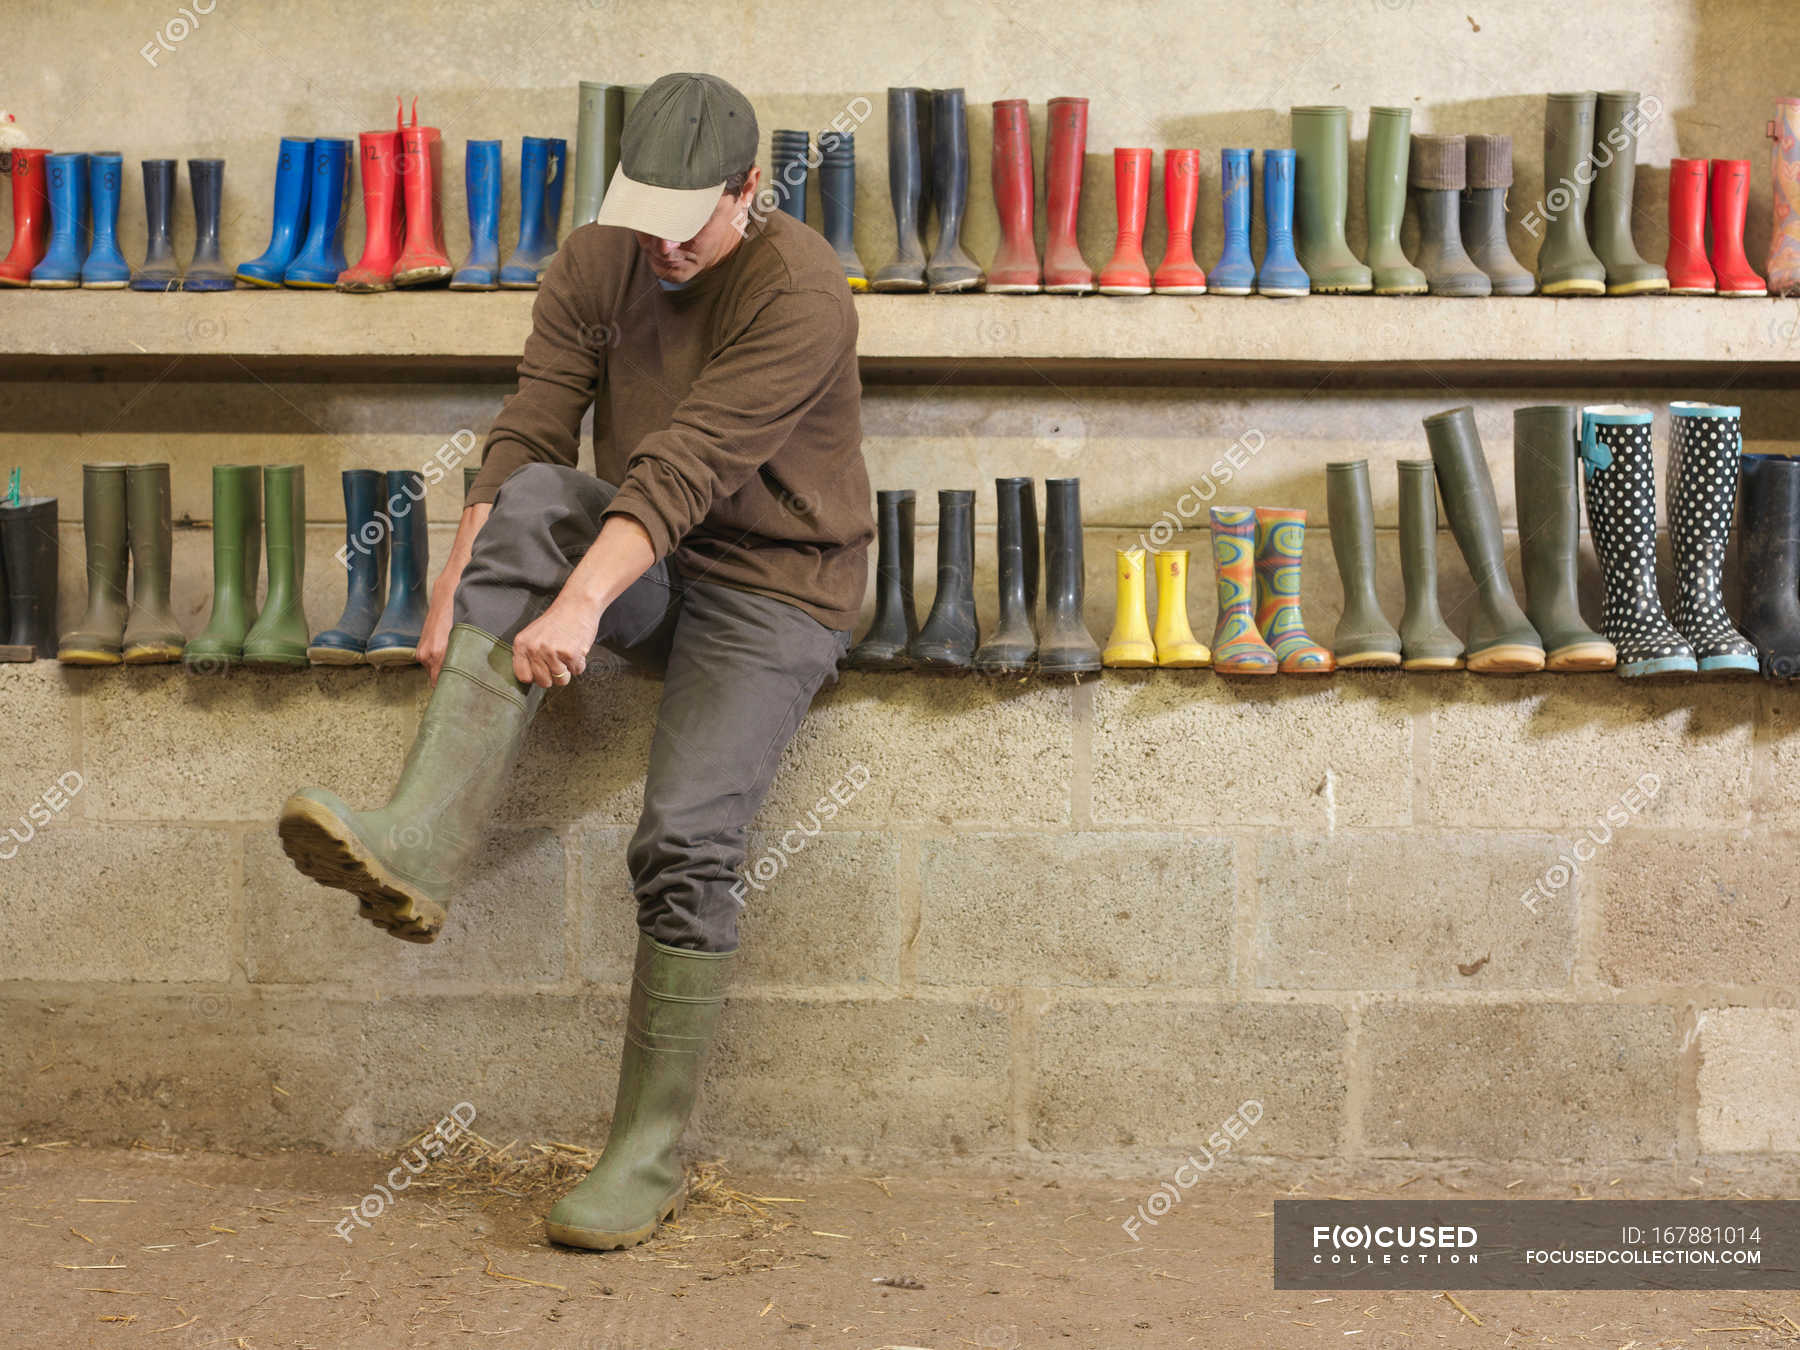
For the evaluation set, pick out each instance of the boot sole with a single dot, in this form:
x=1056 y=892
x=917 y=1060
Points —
x=153 y=656
x=322 y=847
x=1640 y=288
x=1430 y=663
x=1512 y=659
x=394 y=656
x=1370 y=661
x=1578 y=287
x=334 y=656
x=1587 y=656
x=595 y=1240
x=90 y=658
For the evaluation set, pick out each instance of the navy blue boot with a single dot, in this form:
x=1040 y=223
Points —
x=67 y=179
x=788 y=170
x=104 y=268
x=1281 y=273
x=206 y=180
x=365 y=557
x=481 y=184
x=293 y=188
x=540 y=180
x=159 y=272
x=1235 y=272
x=321 y=257
x=395 y=641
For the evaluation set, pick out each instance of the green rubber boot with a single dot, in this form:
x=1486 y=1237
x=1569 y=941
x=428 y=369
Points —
x=237 y=563
x=280 y=636
x=1384 y=195
x=153 y=637
x=1322 y=201
x=1365 y=639
x=403 y=861
x=99 y=639
x=1544 y=461
x=1501 y=639
x=1426 y=641
x=1565 y=263
x=1617 y=122
x=600 y=113
x=639 y=1182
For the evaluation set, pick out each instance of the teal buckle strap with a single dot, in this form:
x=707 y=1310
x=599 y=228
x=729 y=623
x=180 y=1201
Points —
x=12 y=487
x=1593 y=454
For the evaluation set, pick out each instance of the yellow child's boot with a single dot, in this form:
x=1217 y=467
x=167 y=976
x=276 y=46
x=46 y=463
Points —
x=1130 y=645
x=1176 y=644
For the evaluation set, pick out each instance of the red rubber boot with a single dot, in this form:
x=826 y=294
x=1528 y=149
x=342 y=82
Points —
x=423 y=262
x=1015 y=269
x=1126 y=272
x=379 y=152
x=1065 y=271
x=1729 y=196
x=1689 y=272
x=1179 y=273
x=31 y=218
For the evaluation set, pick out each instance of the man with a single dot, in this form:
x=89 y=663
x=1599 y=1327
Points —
x=718 y=351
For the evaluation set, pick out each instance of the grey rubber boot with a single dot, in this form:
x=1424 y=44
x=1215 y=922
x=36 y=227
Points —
x=1365 y=639
x=1427 y=642
x=1490 y=174
x=1438 y=176
x=1566 y=265
x=1616 y=125
x=1544 y=472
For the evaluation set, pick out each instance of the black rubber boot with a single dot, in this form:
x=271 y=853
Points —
x=159 y=272
x=788 y=169
x=909 y=149
x=1438 y=175
x=28 y=559
x=206 y=181
x=1011 y=647
x=837 y=195
x=1769 y=562
x=1490 y=174
x=1544 y=440
x=896 y=621
x=1065 y=647
x=950 y=269
x=947 y=641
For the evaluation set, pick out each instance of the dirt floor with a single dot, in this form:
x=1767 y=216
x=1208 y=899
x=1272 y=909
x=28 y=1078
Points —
x=184 y=1251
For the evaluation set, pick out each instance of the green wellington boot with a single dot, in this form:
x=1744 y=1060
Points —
x=99 y=639
x=1426 y=641
x=639 y=1182
x=403 y=860
x=237 y=563
x=153 y=637
x=1501 y=639
x=1384 y=195
x=1544 y=462
x=1322 y=201
x=280 y=637
x=1565 y=263
x=1616 y=125
x=1365 y=639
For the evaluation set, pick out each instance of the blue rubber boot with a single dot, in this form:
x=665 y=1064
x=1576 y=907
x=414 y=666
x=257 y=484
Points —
x=365 y=556
x=1235 y=272
x=293 y=189
x=481 y=184
x=66 y=176
x=159 y=272
x=104 y=268
x=395 y=641
x=206 y=180
x=553 y=196
x=321 y=257
x=536 y=242
x=1281 y=273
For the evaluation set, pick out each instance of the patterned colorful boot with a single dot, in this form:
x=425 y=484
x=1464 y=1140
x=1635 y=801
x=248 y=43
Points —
x=1238 y=648
x=1705 y=440
x=1280 y=539
x=1784 y=162
x=1621 y=503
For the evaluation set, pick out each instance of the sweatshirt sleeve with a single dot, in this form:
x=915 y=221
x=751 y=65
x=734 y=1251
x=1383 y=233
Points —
x=558 y=376
x=737 y=414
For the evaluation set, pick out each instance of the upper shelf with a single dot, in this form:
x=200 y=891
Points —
x=981 y=338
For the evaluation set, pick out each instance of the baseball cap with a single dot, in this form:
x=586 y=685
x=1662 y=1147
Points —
x=686 y=136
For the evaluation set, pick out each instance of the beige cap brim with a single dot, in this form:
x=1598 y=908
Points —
x=667 y=213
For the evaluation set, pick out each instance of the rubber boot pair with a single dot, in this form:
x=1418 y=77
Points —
x=542 y=161
x=28 y=554
x=1590 y=151
x=1280 y=273
x=1719 y=189
x=1127 y=272
x=1015 y=270
x=1063 y=645
x=31 y=217
x=294 y=173
x=237 y=563
x=1784 y=237
x=1438 y=176
x=1769 y=562
x=403 y=240
x=384 y=517
x=126 y=519
x=928 y=164
x=1011 y=647
x=207 y=271
x=1322 y=201
x=320 y=260
x=1256 y=555
x=1173 y=644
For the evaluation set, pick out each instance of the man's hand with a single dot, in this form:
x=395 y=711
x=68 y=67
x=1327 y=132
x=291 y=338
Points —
x=552 y=649
x=434 y=638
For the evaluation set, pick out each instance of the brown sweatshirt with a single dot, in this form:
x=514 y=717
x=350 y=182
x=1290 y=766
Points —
x=728 y=412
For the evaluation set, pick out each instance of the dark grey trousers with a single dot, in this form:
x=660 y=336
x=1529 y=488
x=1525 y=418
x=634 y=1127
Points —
x=739 y=672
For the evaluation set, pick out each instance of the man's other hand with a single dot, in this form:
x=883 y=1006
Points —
x=553 y=648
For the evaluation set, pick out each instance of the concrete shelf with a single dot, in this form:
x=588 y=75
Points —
x=967 y=338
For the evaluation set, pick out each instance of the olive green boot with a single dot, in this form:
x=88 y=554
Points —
x=280 y=636
x=1565 y=263
x=99 y=639
x=1426 y=641
x=639 y=1182
x=403 y=861
x=1544 y=460
x=1384 y=198
x=1501 y=639
x=1616 y=125
x=1322 y=201
x=237 y=563
x=153 y=637
x=1365 y=639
